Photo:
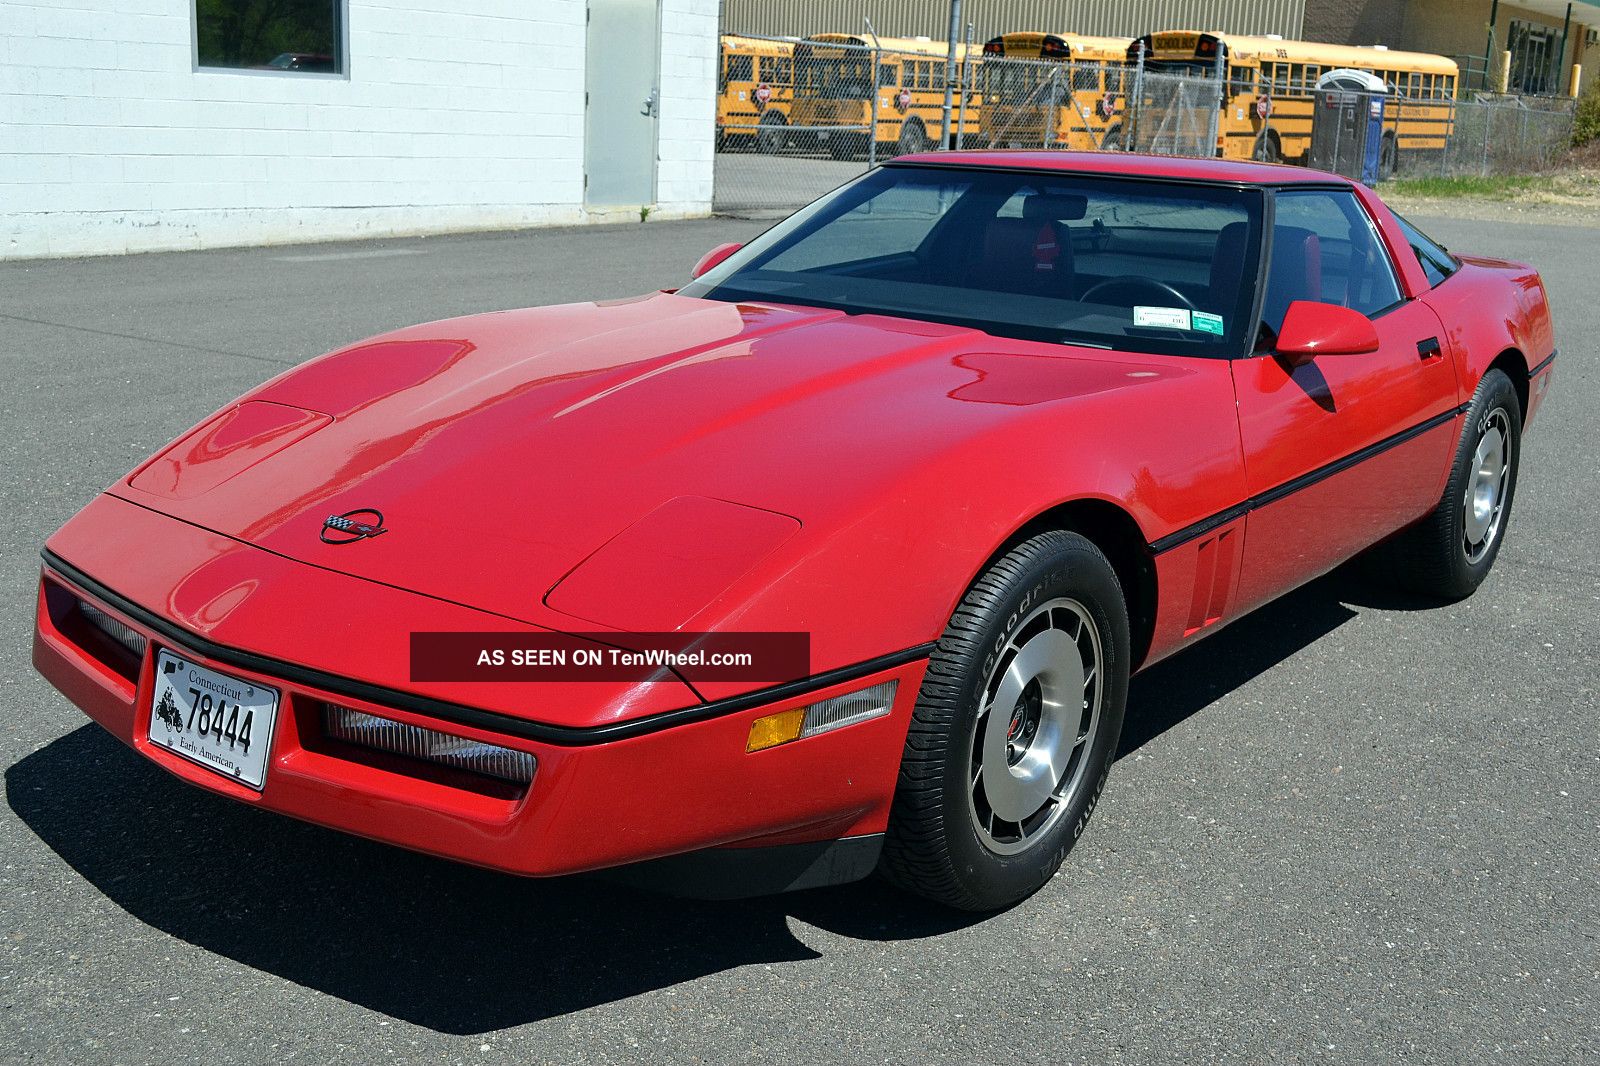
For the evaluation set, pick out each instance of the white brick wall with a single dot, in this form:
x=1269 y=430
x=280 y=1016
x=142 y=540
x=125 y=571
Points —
x=455 y=116
x=688 y=106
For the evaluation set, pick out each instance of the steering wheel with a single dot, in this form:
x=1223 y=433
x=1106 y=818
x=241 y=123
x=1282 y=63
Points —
x=1126 y=282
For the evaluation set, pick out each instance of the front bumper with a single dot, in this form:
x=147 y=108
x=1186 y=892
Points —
x=601 y=797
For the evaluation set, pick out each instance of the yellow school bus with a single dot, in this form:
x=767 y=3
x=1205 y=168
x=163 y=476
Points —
x=755 y=84
x=1271 y=89
x=1053 y=90
x=834 y=90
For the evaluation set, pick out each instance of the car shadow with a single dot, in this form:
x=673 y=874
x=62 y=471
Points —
x=461 y=950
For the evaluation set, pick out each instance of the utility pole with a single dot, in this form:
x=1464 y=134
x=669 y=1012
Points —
x=950 y=73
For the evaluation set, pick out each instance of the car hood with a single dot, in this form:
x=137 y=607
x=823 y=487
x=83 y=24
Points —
x=506 y=452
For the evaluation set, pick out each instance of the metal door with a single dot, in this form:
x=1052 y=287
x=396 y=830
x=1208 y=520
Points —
x=623 y=102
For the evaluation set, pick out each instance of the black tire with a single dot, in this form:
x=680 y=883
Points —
x=913 y=138
x=936 y=845
x=1437 y=557
x=1268 y=149
x=773 y=135
x=1113 y=140
x=1388 y=157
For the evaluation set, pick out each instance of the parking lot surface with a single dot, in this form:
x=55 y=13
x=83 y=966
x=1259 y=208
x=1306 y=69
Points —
x=1352 y=827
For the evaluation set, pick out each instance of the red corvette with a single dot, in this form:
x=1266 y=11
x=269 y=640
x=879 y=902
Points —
x=991 y=431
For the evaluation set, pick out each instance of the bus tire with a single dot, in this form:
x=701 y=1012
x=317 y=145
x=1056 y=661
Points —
x=913 y=138
x=1268 y=149
x=773 y=136
x=1388 y=157
x=1112 y=142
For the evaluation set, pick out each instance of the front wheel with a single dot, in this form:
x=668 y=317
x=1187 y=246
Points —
x=773 y=135
x=1450 y=552
x=1268 y=149
x=1014 y=729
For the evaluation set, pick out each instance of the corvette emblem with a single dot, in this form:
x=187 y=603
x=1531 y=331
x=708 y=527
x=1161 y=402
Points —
x=352 y=526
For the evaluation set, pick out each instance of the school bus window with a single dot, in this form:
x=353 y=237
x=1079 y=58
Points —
x=1085 y=78
x=739 y=68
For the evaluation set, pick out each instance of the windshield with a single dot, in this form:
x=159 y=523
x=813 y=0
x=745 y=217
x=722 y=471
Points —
x=1129 y=264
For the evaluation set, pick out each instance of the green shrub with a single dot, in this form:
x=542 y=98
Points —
x=1586 y=126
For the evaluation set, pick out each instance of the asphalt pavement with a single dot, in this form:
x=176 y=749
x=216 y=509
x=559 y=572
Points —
x=1350 y=828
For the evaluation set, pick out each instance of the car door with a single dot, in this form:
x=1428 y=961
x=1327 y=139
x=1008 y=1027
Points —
x=1345 y=449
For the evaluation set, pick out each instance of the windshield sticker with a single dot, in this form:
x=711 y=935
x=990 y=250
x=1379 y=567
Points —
x=1162 y=317
x=1206 y=322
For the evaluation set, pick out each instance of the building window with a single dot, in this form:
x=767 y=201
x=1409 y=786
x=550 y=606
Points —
x=287 y=36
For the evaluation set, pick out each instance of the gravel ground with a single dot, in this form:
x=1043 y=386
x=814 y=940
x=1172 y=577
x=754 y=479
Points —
x=1350 y=828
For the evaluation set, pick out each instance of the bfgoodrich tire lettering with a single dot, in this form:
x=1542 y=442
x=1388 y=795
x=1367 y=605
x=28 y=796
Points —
x=1044 y=631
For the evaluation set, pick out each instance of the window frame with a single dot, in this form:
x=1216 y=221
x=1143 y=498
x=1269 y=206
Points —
x=341 y=43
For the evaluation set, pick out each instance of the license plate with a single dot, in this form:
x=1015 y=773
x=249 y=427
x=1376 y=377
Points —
x=213 y=719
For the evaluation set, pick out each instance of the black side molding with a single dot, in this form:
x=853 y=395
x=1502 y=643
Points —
x=492 y=721
x=1544 y=364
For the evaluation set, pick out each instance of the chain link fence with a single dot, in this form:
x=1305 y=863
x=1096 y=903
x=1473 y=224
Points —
x=1505 y=135
x=797 y=118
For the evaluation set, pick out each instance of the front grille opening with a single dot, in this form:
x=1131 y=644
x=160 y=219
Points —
x=100 y=635
x=399 y=747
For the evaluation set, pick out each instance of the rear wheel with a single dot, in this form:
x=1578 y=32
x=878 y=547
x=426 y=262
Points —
x=913 y=138
x=1014 y=729
x=1450 y=552
x=1268 y=150
x=1113 y=140
x=773 y=135
x=1388 y=157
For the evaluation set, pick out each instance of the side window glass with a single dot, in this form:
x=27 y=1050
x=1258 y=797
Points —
x=1436 y=262
x=1325 y=248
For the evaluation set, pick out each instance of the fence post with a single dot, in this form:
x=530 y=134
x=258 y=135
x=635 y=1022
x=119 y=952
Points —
x=1488 y=128
x=1136 y=104
x=1522 y=142
x=1216 y=149
x=872 y=114
x=949 y=74
x=1054 y=102
x=1455 y=127
x=968 y=83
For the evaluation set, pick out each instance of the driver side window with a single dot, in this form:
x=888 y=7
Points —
x=1325 y=248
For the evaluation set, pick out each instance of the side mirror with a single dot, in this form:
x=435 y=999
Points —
x=1311 y=329
x=713 y=257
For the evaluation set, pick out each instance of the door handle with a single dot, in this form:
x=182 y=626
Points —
x=649 y=107
x=1430 y=348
